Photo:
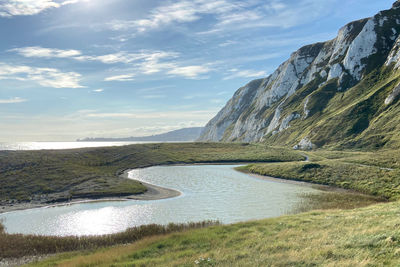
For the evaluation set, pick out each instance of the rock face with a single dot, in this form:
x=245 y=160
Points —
x=300 y=96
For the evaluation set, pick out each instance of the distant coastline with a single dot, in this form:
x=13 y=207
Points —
x=181 y=135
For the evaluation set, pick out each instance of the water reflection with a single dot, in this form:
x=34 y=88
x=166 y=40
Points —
x=60 y=145
x=209 y=193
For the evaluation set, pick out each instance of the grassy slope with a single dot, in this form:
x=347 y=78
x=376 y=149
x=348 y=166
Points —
x=64 y=174
x=362 y=237
x=356 y=117
x=374 y=173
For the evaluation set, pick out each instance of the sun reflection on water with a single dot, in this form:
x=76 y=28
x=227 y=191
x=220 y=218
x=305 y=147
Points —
x=102 y=221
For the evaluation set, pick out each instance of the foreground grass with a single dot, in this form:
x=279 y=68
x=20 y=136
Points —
x=18 y=245
x=361 y=237
x=61 y=175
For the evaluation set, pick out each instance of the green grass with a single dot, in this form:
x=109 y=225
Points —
x=374 y=173
x=60 y=175
x=333 y=199
x=362 y=237
x=370 y=180
x=18 y=245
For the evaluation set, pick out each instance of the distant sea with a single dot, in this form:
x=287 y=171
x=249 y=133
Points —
x=60 y=145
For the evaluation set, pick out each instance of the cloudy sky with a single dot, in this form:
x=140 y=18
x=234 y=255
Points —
x=114 y=68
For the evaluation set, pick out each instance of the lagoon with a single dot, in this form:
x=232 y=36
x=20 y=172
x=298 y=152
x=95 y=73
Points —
x=208 y=192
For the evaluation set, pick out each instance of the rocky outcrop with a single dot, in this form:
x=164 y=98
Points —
x=266 y=108
x=395 y=93
x=304 y=144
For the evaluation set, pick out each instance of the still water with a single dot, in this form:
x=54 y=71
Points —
x=209 y=192
x=60 y=145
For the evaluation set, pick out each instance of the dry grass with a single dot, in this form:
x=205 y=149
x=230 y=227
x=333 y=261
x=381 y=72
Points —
x=17 y=245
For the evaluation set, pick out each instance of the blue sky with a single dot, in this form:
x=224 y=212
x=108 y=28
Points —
x=91 y=68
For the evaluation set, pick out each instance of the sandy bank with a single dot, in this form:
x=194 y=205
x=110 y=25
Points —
x=153 y=192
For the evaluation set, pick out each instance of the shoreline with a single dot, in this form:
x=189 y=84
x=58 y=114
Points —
x=321 y=187
x=154 y=192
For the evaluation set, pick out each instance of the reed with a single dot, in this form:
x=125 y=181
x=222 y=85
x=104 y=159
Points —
x=18 y=245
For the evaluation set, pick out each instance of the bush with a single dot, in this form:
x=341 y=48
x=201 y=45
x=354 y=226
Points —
x=309 y=166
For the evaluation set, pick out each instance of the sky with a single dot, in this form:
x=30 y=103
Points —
x=116 y=68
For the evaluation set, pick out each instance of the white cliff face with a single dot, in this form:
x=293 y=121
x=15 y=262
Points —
x=341 y=43
x=304 y=144
x=394 y=56
x=335 y=72
x=382 y=20
x=285 y=122
x=275 y=121
x=215 y=129
x=393 y=37
x=306 y=111
x=260 y=108
x=281 y=82
x=362 y=47
x=395 y=93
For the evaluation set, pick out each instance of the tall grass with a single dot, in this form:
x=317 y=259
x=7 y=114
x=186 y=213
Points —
x=329 y=200
x=18 y=245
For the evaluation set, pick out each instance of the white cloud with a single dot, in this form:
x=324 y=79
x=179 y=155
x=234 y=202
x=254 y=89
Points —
x=144 y=62
x=47 y=77
x=182 y=11
x=222 y=93
x=36 y=51
x=228 y=43
x=227 y=15
x=149 y=60
x=195 y=114
x=175 y=12
x=189 y=71
x=9 y=8
x=217 y=101
x=162 y=62
x=155 y=88
x=154 y=96
x=235 y=73
x=120 y=57
x=14 y=100
x=98 y=90
x=120 y=78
